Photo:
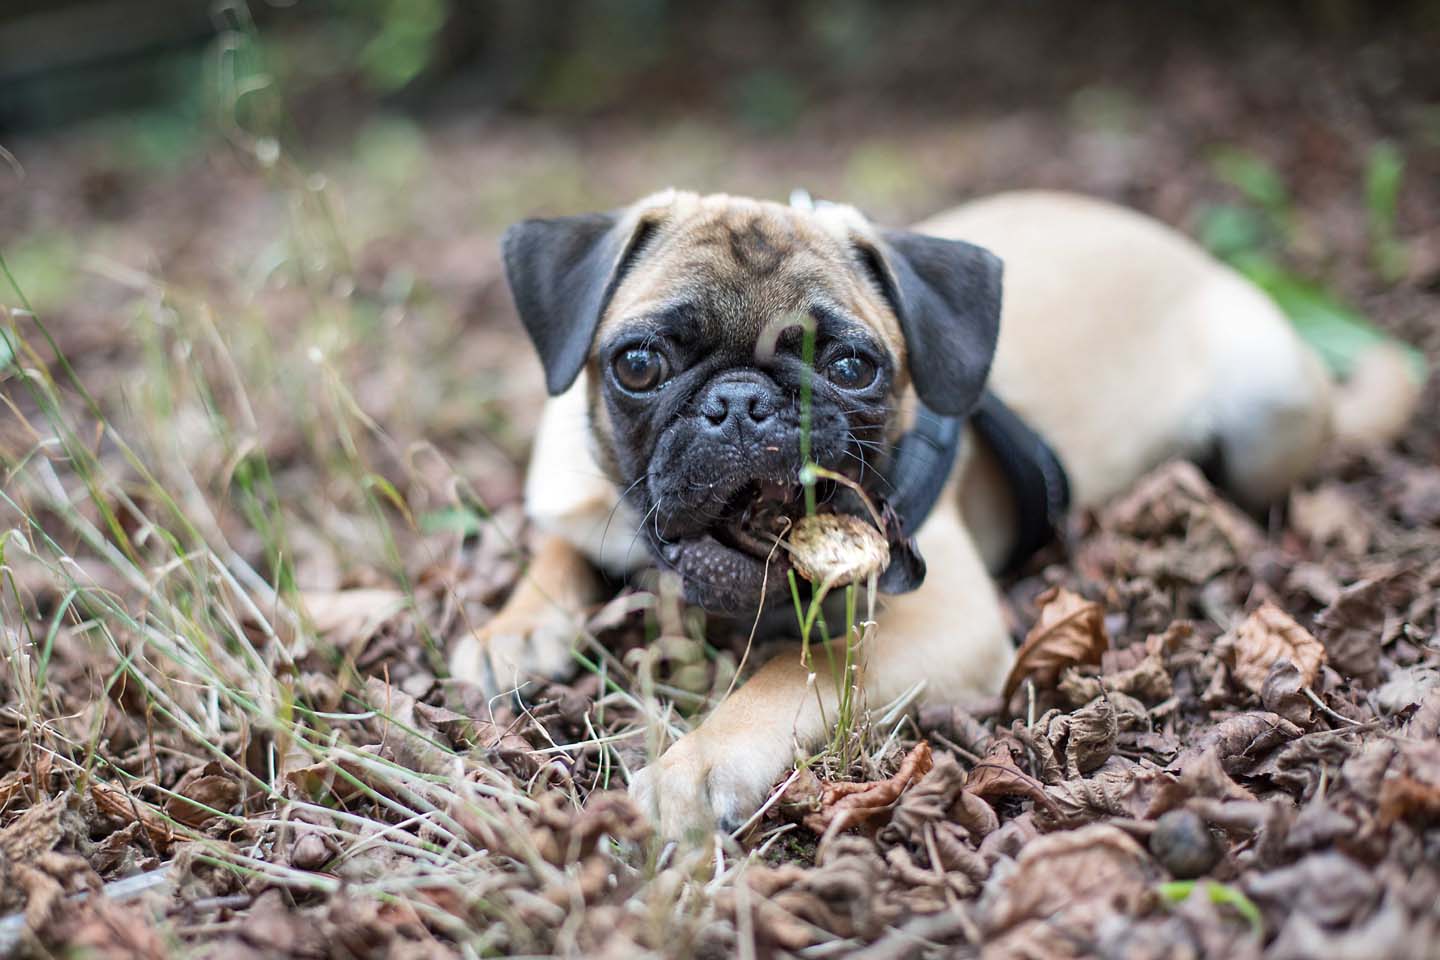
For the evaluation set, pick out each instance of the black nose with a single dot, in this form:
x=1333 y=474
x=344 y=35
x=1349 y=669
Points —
x=745 y=403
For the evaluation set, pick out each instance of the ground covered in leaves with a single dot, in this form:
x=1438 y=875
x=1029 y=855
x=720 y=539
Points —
x=262 y=465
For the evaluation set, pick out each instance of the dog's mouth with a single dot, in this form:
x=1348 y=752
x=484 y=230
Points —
x=739 y=558
x=759 y=515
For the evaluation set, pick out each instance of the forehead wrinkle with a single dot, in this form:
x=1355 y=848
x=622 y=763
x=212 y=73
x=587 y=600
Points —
x=701 y=255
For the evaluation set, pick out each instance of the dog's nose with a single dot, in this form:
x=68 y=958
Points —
x=744 y=401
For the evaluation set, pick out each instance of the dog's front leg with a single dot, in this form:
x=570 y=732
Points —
x=949 y=635
x=534 y=633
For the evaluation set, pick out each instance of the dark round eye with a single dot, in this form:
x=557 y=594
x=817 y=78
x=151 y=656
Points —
x=640 y=369
x=851 y=373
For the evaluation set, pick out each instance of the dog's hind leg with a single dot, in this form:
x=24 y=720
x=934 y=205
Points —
x=1270 y=406
x=1274 y=407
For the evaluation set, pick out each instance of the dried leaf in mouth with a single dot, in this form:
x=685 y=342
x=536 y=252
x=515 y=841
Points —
x=837 y=549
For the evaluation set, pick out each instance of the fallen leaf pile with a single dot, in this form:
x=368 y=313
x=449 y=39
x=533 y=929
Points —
x=227 y=728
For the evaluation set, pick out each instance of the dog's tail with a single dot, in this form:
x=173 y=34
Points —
x=1373 y=405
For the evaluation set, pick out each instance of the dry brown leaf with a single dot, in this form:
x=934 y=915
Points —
x=1240 y=741
x=1070 y=630
x=32 y=835
x=33 y=874
x=406 y=736
x=10 y=786
x=1330 y=888
x=940 y=796
x=826 y=806
x=998 y=776
x=115 y=801
x=1284 y=693
x=1147 y=680
x=564 y=834
x=206 y=787
x=337 y=780
x=1120 y=788
x=1085 y=737
x=1072 y=880
x=1173 y=526
x=1352 y=627
x=106 y=930
x=1266 y=636
x=1405 y=797
x=1199 y=775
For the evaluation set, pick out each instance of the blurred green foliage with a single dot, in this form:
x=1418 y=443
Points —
x=47 y=261
x=1384 y=173
x=1256 y=236
x=402 y=41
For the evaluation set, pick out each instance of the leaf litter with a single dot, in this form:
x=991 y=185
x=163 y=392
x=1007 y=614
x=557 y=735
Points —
x=1199 y=699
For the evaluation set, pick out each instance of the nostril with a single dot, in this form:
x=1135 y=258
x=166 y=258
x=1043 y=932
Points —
x=716 y=409
x=760 y=409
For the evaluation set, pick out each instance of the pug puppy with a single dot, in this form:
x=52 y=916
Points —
x=673 y=337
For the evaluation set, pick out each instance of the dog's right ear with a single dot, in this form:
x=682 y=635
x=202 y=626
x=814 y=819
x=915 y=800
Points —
x=562 y=273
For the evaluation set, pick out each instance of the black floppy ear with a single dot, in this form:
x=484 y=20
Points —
x=562 y=273
x=946 y=294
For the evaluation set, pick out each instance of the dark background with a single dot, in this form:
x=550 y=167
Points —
x=764 y=64
x=372 y=150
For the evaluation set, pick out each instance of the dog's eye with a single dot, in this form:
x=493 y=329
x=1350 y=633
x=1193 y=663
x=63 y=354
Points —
x=640 y=369
x=851 y=373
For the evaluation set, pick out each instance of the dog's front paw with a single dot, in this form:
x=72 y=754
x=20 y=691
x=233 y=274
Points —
x=517 y=647
x=706 y=782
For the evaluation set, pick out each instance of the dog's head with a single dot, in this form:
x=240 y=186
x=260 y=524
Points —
x=691 y=317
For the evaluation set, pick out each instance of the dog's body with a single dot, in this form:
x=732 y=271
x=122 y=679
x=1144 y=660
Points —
x=1122 y=343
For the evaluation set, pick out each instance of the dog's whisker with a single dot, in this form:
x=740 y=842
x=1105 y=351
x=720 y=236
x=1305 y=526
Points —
x=609 y=517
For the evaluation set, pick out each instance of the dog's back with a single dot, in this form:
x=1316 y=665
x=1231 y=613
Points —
x=1126 y=344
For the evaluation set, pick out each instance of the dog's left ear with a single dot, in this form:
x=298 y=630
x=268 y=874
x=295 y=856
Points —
x=946 y=294
x=562 y=273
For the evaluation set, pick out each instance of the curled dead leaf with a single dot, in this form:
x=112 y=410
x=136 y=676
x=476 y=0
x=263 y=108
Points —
x=1174 y=526
x=117 y=802
x=940 y=796
x=1240 y=742
x=1070 y=630
x=1071 y=881
x=998 y=776
x=203 y=794
x=828 y=806
x=1284 y=692
x=1266 y=636
x=1352 y=628
x=793 y=908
